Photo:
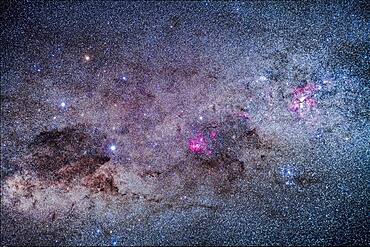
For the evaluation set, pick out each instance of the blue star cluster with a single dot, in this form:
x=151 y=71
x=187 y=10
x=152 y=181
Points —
x=185 y=123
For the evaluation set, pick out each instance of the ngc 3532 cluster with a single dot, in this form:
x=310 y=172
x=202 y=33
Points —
x=185 y=123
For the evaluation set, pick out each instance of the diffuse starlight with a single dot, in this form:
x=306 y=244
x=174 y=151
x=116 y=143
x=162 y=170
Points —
x=184 y=123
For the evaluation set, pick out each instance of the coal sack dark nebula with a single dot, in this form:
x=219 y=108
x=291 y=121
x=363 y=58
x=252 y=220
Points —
x=185 y=123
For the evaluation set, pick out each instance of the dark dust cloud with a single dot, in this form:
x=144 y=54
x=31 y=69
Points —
x=185 y=123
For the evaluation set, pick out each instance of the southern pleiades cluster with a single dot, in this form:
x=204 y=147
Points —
x=185 y=123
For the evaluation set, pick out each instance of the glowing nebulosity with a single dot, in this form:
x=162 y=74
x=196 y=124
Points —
x=204 y=141
x=199 y=144
x=175 y=123
x=303 y=99
x=244 y=115
x=213 y=134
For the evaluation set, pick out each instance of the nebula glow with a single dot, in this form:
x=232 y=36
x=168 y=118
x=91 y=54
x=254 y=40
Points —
x=185 y=123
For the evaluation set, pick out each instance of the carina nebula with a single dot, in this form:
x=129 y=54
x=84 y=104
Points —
x=185 y=123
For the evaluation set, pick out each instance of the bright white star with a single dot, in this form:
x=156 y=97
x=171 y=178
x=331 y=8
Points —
x=113 y=147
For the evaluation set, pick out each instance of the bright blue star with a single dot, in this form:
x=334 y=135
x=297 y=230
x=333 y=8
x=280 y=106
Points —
x=113 y=147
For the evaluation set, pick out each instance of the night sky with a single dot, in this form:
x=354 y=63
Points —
x=185 y=123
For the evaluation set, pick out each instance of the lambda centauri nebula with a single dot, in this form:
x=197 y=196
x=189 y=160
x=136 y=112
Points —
x=185 y=123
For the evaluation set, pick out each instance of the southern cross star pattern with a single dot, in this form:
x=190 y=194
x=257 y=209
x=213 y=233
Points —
x=185 y=123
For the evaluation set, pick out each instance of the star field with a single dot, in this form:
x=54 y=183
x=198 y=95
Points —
x=185 y=123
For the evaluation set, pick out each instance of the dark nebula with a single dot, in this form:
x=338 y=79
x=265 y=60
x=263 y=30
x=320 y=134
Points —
x=185 y=123
x=73 y=151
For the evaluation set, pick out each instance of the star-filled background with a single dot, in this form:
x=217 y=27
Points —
x=185 y=123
